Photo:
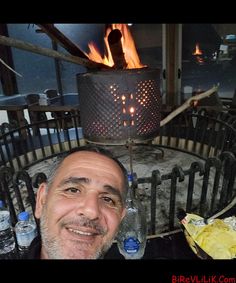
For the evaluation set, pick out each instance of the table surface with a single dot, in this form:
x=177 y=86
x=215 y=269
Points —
x=172 y=246
x=12 y=103
x=61 y=103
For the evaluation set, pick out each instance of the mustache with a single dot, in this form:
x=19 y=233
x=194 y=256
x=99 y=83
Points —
x=86 y=222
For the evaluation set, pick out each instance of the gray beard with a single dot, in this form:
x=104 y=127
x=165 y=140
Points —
x=54 y=248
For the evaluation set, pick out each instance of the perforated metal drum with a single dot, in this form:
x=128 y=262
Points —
x=119 y=105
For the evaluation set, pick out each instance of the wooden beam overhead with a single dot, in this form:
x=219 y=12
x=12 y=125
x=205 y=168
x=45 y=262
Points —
x=62 y=40
x=4 y=40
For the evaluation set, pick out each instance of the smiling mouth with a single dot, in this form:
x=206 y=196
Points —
x=83 y=233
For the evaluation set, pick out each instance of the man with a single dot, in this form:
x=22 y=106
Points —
x=81 y=206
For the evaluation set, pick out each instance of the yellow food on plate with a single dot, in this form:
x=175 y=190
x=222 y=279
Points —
x=216 y=237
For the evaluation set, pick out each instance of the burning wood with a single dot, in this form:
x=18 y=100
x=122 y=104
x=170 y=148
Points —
x=127 y=45
x=114 y=40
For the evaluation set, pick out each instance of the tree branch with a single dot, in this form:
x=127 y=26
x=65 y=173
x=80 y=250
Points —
x=4 y=40
x=5 y=64
x=187 y=104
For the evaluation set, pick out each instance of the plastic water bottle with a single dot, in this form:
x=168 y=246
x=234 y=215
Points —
x=25 y=231
x=131 y=238
x=7 y=240
x=43 y=99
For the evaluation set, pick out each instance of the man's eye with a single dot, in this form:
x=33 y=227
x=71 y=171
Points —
x=109 y=200
x=72 y=190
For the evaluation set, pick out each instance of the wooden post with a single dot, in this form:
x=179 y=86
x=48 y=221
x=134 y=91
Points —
x=58 y=70
x=172 y=69
x=8 y=78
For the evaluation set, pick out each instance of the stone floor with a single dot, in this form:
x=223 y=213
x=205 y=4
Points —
x=145 y=160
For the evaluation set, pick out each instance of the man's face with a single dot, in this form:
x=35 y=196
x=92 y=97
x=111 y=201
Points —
x=82 y=209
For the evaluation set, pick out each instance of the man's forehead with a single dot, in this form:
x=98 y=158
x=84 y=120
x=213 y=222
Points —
x=90 y=158
x=88 y=155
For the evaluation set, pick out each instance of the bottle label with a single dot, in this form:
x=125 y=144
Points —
x=4 y=220
x=131 y=245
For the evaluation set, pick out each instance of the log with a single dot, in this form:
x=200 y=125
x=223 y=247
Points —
x=114 y=40
x=4 y=40
x=188 y=103
x=57 y=36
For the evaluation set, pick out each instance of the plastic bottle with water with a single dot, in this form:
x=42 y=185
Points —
x=43 y=99
x=131 y=238
x=26 y=231
x=7 y=240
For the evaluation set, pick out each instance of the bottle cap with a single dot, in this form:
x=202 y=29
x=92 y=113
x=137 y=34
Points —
x=130 y=177
x=23 y=216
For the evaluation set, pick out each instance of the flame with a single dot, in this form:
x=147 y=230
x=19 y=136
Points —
x=195 y=103
x=128 y=46
x=197 y=51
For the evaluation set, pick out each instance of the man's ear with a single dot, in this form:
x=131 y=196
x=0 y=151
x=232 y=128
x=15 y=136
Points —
x=40 y=200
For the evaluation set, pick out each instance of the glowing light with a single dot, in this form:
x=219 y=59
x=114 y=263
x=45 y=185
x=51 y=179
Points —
x=131 y=110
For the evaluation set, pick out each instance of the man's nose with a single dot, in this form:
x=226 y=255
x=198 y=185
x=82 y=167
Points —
x=89 y=207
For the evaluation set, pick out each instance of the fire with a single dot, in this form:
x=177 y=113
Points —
x=197 y=51
x=128 y=46
x=194 y=103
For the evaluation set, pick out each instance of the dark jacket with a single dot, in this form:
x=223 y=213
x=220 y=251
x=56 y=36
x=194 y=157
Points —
x=34 y=249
